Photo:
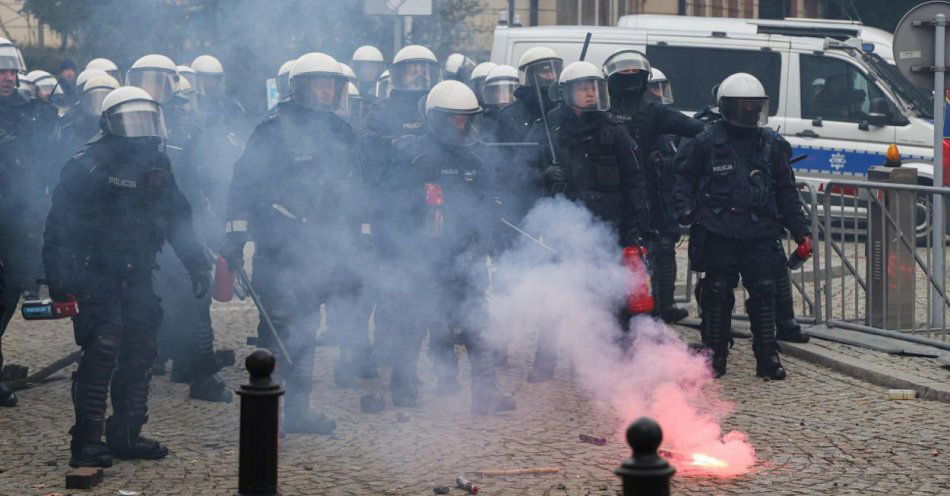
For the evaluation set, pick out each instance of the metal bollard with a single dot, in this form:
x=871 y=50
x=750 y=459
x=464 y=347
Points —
x=645 y=473
x=260 y=415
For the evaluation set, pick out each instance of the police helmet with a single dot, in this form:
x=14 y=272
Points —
x=660 y=89
x=582 y=86
x=414 y=68
x=188 y=74
x=156 y=74
x=539 y=66
x=742 y=101
x=283 y=79
x=131 y=112
x=10 y=56
x=500 y=86
x=209 y=75
x=317 y=82
x=348 y=72
x=458 y=67
x=95 y=90
x=45 y=83
x=627 y=71
x=451 y=112
x=479 y=73
x=86 y=74
x=368 y=63
x=384 y=85
x=104 y=65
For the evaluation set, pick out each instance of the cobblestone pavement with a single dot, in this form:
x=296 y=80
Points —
x=819 y=432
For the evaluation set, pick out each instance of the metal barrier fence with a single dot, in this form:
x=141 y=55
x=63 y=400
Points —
x=872 y=269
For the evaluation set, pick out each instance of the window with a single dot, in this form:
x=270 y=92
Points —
x=695 y=72
x=838 y=91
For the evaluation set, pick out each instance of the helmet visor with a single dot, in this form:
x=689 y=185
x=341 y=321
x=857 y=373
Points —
x=320 y=92
x=136 y=119
x=209 y=84
x=283 y=85
x=588 y=95
x=27 y=90
x=453 y=127
x=367 y=71
x=414 y=75
x=354 y=108
x=383 y=87
x=500 y=92
x=191 y=77
x=92 y=100
x=10 y=58
x=626 y=61
x=542 y=73
x=45 y=86
x=157 y=83
x=661 y=92
x=745 y=112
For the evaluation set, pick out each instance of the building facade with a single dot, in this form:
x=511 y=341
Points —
x=22 y=28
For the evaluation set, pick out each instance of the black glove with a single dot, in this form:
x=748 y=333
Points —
x=555 y=174
x=200 y=283
x=232 y=249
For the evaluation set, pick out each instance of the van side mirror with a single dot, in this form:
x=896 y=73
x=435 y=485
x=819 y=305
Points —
x=879 y=113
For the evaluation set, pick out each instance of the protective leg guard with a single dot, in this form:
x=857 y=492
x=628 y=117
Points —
x=664 y=283
x=718 y=301
x=761 y=308
x=787 y=327
x=125 y=440
x=86 y=448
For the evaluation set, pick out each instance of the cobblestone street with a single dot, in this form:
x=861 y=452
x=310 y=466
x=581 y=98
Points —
x=818 y=432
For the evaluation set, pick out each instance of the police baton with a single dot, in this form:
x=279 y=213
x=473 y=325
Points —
x=520 y=231
x=556 y=187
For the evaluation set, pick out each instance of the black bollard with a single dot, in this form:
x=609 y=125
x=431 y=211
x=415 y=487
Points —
x=646 y=473
x=260 y=415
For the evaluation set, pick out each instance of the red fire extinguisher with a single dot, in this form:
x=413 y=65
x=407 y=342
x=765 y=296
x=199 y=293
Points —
x=49 y=309
x=223 y=281
x=434 y=202
x=639 y=297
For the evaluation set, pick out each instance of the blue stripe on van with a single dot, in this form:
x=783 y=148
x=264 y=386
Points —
x=839 y=160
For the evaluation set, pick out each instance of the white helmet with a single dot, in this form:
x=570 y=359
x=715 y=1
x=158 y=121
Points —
x=10 y=56
x=283 y=79
x=45 y=83
x=187 y=94
x=130 y=112
x=627 y=71
x=742 y=101
x=583 y=87
x=458 y=67
x=188 y=74
x=479 y=73
x=500 y=86
x=368 y=63
x=95 y=90
x=156 y=74
x=660 y=89
x=317 y=82
x=348 y=72
x=451 y=110
x=384 y=85
x=541 y=65
x=354 y=106
x=414 y=68
x=85 y=75
x=209 y=77
x=104 y=65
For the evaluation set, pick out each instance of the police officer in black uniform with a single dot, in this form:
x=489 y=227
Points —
x=81 y=122
x=115 y=206
x=650 y=123
x=293 y=194
x=538 y=69
x=734 y=181
x=595 y=164
x=389 y=136
x=447 y=213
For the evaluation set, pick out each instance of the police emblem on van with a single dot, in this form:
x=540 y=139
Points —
x=837 y=161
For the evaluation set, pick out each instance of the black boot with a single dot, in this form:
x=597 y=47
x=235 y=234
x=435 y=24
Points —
x=210 y=388
x=123 y=436
x=718 y=301
x=791 y=331
x=545 y=359
x=761 y=308
x=7 y=396
x=86 y=447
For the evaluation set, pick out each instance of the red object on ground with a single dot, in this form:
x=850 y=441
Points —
x=639 y=297
x=223 y=281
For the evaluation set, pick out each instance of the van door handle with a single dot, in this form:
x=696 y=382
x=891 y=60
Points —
x=808 y=133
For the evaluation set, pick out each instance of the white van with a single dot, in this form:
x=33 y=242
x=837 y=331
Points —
x=838 y=102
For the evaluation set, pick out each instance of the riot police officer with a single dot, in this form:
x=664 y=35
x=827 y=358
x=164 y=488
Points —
x=497 y=93
x=450 y=212
x=650 y=123
x=735 y=182
x=538 y=69
x=105 y=65
x=81 y=122
x=115 y=206
x=294 y=194
x=479 y=73
x=368 y=64
x=213 y=104
x=458 y=67
x=594 y=163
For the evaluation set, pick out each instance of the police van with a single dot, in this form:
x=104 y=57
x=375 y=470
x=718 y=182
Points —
x=834 y=96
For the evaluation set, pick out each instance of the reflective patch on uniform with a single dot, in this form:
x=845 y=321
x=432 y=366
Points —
x=469 y=176
x=449 y=172
x=723 y=169
x=303 y=158
x=122 y=182
x=412 y=125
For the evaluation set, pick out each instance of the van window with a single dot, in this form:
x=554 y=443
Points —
x=694 y=72
x=835 y=90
